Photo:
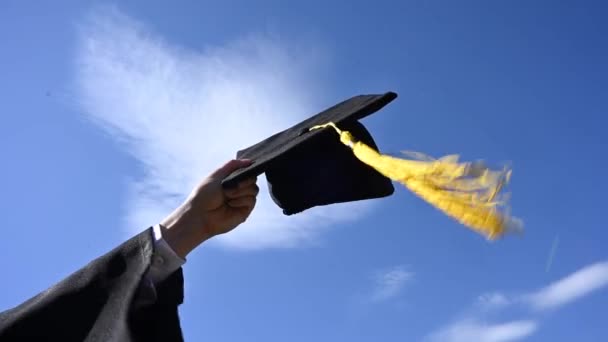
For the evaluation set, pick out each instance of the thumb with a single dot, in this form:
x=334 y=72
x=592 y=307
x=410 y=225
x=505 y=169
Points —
x=230 y=167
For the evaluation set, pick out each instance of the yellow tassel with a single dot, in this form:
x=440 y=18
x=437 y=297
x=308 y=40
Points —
x=468 y=192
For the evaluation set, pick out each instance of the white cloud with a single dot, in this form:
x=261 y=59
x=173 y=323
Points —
x=564 y=291
x=389 y=283
x=472 y=330
x=183 y=113
x=493 y=301
x=571 y=288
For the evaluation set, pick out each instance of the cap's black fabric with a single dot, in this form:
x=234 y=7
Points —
x=307 y=168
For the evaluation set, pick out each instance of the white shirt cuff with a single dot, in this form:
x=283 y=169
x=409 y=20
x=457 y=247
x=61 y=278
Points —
x=164 y=260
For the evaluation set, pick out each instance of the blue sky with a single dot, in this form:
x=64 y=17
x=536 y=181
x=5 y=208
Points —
x=111 y=111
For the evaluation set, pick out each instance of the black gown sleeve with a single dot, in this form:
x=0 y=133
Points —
x=97 y=303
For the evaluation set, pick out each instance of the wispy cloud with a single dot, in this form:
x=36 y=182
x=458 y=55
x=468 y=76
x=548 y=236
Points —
x=575 y=286
x=182 y=113
x=472 y=330
x=564 y=291
x=493 y=301
x=389 y=283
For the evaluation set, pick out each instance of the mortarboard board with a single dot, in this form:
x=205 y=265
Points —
x=308 y=165
x=307 y=168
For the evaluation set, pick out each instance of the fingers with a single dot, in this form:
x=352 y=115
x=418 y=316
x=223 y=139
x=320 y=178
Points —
x=246 y=202
x=247 y=183
x=245 y=188
x=248 y=191
x=242 y=207
x=230 y=167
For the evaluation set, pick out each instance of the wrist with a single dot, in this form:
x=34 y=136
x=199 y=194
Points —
x=184 y=230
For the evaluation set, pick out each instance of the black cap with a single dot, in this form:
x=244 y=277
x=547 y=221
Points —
x=307 y=168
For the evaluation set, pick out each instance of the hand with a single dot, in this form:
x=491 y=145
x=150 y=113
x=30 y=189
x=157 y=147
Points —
x=210 y=210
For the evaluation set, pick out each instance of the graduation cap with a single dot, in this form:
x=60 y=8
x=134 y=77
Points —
x=332 y=158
